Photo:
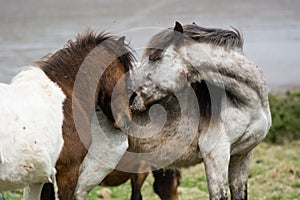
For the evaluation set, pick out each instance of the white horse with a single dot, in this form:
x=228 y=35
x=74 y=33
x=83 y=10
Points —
x=231 y=93
x=31 y=115
x=216 y=109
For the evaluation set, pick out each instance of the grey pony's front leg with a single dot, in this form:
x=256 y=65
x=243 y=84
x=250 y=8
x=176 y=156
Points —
x=215 y=151
x=107 y=148
x=238 y=175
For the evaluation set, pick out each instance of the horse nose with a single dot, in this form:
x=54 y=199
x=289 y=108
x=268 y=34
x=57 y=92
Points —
x=136 y=103
x=132 y=97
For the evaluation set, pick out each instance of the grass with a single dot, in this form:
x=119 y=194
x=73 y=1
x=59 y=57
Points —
x=274 y=175
x=275 y=170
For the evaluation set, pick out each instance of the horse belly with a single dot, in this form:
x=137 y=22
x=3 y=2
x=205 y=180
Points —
x=249 y=133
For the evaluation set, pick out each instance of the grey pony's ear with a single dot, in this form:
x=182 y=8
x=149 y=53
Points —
x=121 y=41
x=178 y=33
x=178 y=27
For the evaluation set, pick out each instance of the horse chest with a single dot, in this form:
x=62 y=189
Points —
x=169 y=137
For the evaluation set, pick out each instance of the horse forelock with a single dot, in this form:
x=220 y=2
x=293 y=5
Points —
x=215 y=36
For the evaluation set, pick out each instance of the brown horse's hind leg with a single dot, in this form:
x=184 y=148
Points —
x=137 y=180
x=238 y=176
x=166 y=183
x=66 y=183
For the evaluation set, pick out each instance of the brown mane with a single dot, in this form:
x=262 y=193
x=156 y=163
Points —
x=74 y=53
x=63 y=66
x=215 y=36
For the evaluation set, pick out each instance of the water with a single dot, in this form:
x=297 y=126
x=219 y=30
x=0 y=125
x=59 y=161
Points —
x=31 y=29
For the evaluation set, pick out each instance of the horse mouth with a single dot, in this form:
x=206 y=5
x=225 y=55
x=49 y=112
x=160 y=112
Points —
x=140 y=103
x=137 y=103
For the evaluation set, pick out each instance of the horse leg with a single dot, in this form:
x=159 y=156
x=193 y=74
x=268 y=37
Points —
x=66 y=181
x=98 y=163
x=238 y=176
x=48 y=192
x=215 y=151
x=54 y=182
x=91 y=174
x=137 y=180
x=33 y=192
x=166 y=183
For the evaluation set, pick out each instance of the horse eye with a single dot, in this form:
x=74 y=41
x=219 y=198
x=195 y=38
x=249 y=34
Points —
x=149 y=76
x=153 y=58
x=157 y=55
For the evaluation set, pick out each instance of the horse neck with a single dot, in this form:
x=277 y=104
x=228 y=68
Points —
x=112 y=90
x=229 y=69
x=79 y=76
x=98 y=75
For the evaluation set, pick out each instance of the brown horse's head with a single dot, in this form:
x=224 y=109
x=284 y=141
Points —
x=113 y=94
x=92 y=71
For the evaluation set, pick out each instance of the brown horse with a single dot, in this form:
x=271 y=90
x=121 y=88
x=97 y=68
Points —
x=87 y=70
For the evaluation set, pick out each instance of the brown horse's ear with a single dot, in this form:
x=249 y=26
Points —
x=178 y=27
x=121 y=41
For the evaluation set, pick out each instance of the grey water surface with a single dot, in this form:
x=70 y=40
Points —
x=31 y=29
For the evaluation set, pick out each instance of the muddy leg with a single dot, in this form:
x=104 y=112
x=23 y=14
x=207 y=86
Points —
x=98 y=163
x=238 y=176
x=216 y=168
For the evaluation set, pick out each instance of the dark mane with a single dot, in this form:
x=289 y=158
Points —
x=67 y=61
x=219 y=37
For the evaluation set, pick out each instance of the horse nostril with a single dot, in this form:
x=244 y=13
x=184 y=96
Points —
x=132 y=97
